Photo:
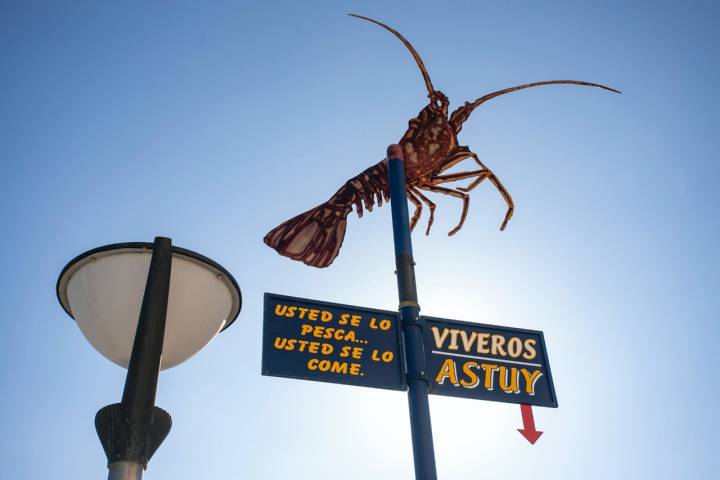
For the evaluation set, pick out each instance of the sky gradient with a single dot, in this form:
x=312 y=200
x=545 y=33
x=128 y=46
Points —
x=211 y=123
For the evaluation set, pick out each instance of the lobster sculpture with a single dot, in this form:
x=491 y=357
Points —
x=430 y=147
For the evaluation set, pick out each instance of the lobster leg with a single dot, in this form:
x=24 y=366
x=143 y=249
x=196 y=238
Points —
x=430 y=205
x=458 y=156
x=477 y=181
x=479 y=176
x=453 y=193
x=418 y=208
x=500 y=187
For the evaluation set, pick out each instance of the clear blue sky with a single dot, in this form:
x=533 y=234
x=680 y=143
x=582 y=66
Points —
x=212 y=122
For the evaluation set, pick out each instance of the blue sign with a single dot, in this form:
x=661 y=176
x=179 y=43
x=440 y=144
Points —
x=328 y=342
x=487 y=362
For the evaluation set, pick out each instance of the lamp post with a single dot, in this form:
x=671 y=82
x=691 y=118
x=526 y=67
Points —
x=146 y=307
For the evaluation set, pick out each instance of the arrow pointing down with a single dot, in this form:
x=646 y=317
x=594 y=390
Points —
x=528 y=431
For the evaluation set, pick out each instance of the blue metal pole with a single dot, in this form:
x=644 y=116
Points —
x=412 y=325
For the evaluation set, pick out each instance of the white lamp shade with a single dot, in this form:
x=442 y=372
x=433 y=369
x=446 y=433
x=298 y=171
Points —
x=103 y=291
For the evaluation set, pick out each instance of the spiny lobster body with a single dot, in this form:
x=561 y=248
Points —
x=430 y=147
x=428 y=138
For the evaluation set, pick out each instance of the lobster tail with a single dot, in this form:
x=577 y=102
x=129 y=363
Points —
x=315 y=237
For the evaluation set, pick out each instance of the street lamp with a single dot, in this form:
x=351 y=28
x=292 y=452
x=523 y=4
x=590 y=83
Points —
x=140 y=316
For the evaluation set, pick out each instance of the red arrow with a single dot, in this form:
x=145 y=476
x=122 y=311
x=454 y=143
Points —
x=528 y=431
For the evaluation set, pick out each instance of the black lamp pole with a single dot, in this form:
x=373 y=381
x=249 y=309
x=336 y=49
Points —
x=132 y=430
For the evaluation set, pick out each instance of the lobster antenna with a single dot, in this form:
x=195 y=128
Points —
x=489 y=96
x=415 y=55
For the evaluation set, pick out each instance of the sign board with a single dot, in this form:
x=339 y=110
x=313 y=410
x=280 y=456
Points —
x=329 y=342
x=487 y=362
